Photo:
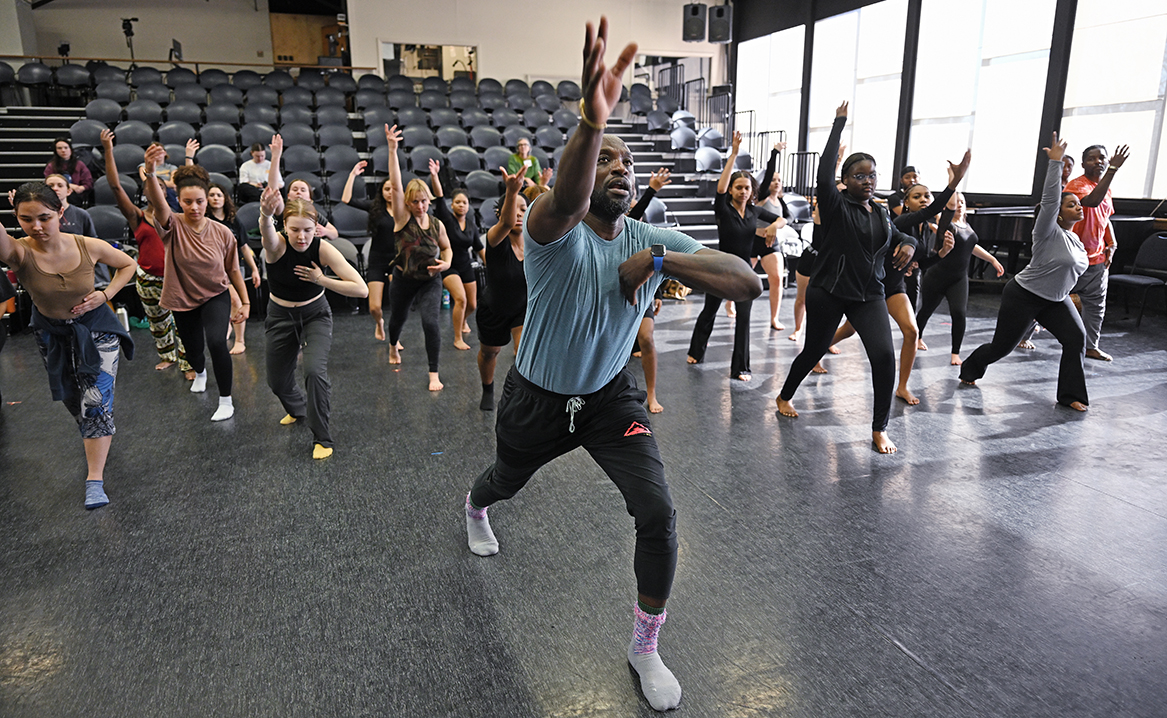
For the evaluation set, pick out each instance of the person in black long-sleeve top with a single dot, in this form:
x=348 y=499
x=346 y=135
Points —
x=645 y=346
x=382 y=247
x=847 y=279
x=459 y=280
x=948 y=276
x=736 y=223
x=918 y=208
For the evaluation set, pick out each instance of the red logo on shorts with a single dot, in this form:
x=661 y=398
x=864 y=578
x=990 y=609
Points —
x=637 y=428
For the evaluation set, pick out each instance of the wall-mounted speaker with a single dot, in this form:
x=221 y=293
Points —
x=693 y=25
x=721 y=24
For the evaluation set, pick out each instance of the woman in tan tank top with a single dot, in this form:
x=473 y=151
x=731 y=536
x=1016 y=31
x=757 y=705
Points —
x=76 y=332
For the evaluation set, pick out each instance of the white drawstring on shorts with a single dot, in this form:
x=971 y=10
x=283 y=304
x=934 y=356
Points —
x=574 y=404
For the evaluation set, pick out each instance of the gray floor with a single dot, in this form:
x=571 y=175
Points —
x=1009 y=561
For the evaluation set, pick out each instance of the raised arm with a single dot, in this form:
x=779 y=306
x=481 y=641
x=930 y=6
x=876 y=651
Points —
x=154 y=192
x=347 y=281
x=273 y=172
x=567 y=204
x=1046 y=224
x=355 y=172
x=828 y=196
x=730 y=161
x=435 y=182
x=132 y=214
x=508 y=216
x=771 y=168
x=658 y=179
x=400 y=211
x=1099 y=192
x=270 y=203
x=11 y=253
x=192 y=148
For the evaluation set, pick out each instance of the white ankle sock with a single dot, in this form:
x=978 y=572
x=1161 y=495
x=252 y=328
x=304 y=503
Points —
x=479 y=536
x=657 y=682
x=225 y=411
x=200 y=382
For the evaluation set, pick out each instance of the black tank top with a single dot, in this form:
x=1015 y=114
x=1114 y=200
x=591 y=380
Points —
x=282 y=278
x=506 y=285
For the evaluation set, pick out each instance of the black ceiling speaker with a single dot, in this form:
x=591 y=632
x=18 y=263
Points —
x=721 y=23
x=693 y=26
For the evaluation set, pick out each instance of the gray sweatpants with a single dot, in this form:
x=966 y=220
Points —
x=1091 y=290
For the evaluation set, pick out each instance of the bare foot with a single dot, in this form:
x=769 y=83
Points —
x=956 y=360
x=691 y=360
x=730 y=310
x=1026 y=345
x=819 y=368
x=909 y=397
x=921 y=346
x=636 y=354
x=744 y=376
x=795 y=336
x=968 y=382
x=238 y=348
x=1078 y=405
x=400 y=348
x=785 y=408
x=379 y=331
x=163 y=365
x=654 y=406
x=465 y=328
x=394 y=357
x=459 y=344
x=883 y=444
x=834 y=349
x=777 y=326
x=189 y=375
x=1098 y=354
x=435 y=385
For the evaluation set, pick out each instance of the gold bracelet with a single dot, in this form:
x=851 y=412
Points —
x=583 y=117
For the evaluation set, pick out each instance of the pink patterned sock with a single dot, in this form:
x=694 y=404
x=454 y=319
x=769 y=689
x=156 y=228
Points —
x=476 y=514
x=646 y=631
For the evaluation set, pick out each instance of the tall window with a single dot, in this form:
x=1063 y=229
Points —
x=980 y=81
x=769 y=80
x=858 y=57
x=1115 y=89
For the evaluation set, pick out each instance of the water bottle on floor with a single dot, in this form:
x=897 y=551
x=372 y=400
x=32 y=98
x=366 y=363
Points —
x=445 y=299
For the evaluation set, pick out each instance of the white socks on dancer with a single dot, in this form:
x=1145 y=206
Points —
x=225 y=411
x=199 y=385
x=657 y=682
x=479 y=536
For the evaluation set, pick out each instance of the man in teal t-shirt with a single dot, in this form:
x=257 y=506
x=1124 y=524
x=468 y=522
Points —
x=590 y=271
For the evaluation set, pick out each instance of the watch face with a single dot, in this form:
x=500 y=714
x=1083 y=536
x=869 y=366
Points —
x=658 y=250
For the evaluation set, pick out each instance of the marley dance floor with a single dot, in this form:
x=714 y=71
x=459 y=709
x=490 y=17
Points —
x=1011 y=560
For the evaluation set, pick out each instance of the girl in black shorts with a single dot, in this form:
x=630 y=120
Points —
x=459 y=279
x=504 y=303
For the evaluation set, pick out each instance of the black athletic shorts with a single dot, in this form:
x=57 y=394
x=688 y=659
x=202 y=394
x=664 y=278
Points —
x=806 y=262
x=494 y=330
x=464 y=271
x=760 y=249
x=378 y=268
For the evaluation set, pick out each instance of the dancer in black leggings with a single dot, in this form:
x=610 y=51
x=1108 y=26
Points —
x=847 y=279
x=736 y=226
x=423 y=253
x=918 y=208
x=202 y=260
x=1041 y=291
x=947 y=276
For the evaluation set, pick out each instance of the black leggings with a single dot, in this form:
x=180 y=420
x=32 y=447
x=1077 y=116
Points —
x=870 y=319
x=402 y=291
x=1019 y=308
x=210 y=320
x=534 y=426
x=935 y=287
x=739 y=362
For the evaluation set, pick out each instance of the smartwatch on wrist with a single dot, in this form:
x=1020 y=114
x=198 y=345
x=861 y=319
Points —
x=658 y=257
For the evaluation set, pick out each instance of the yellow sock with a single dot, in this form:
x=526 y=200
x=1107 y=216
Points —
x=289 y=419
x=320 y=452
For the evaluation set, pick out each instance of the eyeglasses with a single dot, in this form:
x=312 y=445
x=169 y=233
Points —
x=864 y=177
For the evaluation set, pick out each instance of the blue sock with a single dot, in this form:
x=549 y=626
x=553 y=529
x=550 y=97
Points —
x=95 y=496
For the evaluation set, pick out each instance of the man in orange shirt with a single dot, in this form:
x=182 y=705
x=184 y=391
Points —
x=1093 y=189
